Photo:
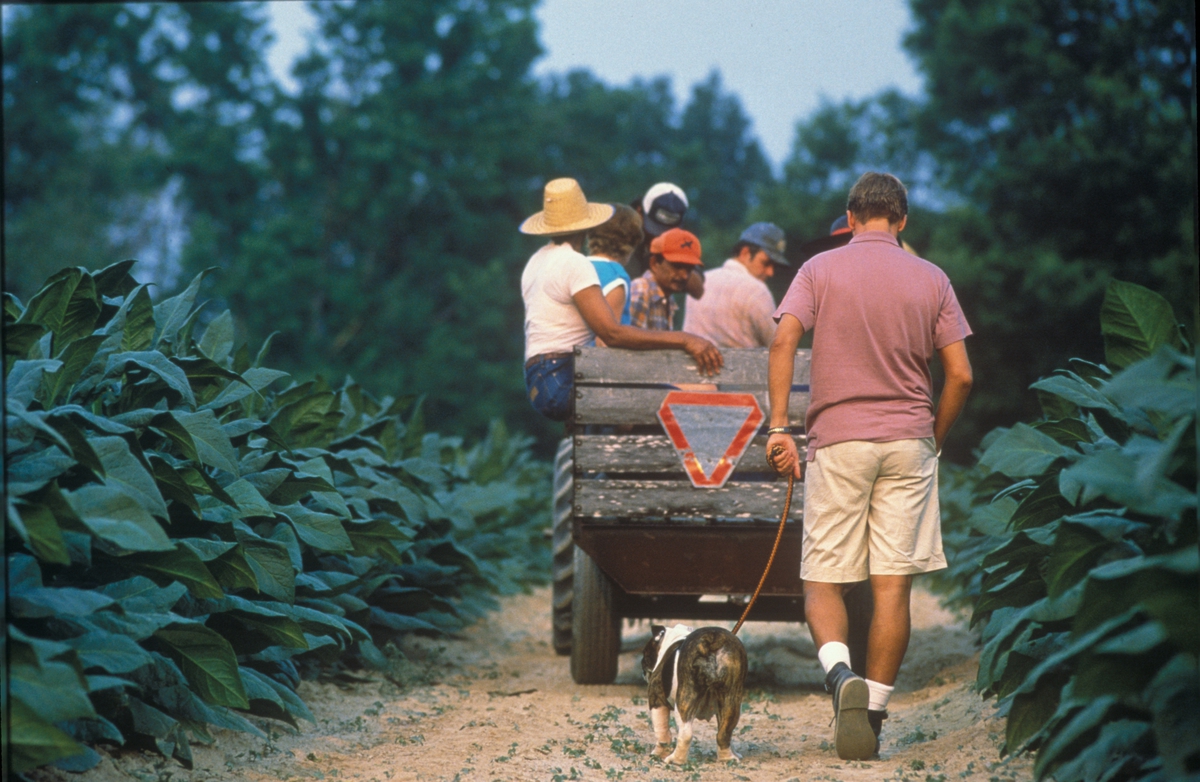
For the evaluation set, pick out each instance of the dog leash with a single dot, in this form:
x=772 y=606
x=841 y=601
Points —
x=772 y=455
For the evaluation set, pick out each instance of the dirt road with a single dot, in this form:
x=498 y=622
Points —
x=497 y=704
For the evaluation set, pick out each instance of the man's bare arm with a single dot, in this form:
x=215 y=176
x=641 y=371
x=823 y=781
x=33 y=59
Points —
x=955 y=391
x=780 y=369
x=596 y=313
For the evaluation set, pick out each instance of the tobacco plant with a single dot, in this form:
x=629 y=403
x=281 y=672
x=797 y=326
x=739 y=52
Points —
x=1075 y=539
x=189 y=531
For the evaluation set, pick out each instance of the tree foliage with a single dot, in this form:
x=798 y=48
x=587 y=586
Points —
x=189 y=531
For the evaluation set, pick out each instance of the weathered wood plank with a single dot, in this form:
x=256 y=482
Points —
x=743 y=366
x=604 y=404
x=617 y=453
x=661 y=499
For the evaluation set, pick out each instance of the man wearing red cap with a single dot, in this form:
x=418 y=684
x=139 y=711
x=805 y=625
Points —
x=673 y=256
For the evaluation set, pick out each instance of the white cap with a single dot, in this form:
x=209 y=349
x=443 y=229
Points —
x=662 y=188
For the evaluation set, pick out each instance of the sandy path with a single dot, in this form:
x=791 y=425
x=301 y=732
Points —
x=497 y=704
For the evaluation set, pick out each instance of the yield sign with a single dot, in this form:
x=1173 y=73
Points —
x=710 y=431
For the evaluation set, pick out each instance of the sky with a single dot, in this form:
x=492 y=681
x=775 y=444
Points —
x=781 y=57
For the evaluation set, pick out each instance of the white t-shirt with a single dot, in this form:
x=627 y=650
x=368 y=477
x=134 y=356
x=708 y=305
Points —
x=553 y=324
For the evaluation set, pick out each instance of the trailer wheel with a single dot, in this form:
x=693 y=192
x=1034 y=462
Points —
x=595 y=626
x=563 y=589
x=860 y=608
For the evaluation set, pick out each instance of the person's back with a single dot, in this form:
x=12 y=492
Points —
x=885 y=313
x=737 y=308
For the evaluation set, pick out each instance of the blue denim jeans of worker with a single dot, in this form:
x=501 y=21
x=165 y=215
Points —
x=551 y=386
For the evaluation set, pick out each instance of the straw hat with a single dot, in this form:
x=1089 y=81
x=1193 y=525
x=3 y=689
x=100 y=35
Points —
x=566 y=211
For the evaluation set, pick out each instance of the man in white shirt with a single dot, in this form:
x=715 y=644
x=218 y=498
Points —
x=737 y=308
x=564 y=306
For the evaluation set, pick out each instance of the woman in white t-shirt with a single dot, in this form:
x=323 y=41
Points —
x=564 y=306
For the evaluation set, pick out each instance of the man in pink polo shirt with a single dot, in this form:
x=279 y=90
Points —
x=878 y=314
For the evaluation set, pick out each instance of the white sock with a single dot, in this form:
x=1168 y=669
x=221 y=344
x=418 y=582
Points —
x=880 y=693
x=832 y=653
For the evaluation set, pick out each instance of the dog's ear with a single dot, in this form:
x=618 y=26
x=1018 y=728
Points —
x=657 y=631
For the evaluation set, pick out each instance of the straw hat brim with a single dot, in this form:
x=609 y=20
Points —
x=596 y=215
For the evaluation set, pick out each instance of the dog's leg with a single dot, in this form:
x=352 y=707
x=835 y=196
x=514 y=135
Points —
x=727 y=720
x=660 y=718
x=684 y=742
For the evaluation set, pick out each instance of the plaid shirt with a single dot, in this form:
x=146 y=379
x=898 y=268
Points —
x=649 y=307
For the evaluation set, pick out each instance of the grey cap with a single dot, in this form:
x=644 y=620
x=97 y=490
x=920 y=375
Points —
x=770 y=238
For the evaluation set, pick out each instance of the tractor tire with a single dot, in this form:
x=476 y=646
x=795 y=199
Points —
x=860 y=608
x=595 y=625
x=563 y=590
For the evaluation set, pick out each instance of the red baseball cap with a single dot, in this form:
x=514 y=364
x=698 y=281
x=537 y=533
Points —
x=678 y=246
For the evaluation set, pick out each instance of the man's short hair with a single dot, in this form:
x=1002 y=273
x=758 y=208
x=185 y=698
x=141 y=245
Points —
x=876 y=195
x=617 y=237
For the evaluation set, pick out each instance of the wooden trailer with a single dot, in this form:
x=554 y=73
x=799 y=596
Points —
x=634 y=538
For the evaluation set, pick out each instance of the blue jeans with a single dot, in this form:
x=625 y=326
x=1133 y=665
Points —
x=551 y=386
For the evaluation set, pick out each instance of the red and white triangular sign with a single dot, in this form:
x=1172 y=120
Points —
x=710 y=431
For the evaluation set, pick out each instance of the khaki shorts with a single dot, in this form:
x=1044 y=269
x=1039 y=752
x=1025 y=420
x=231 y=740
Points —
x=871 y=508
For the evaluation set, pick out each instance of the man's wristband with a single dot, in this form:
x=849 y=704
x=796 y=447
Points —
x=779 y=430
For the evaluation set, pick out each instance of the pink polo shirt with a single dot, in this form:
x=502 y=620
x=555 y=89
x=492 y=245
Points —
x=878 y=314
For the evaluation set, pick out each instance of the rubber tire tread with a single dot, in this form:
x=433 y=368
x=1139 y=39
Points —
x=860 y=608
x=562 y=591
x=596 y=625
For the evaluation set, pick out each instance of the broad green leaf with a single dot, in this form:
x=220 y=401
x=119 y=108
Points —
x=56 y=691
x=1174 y=699
x=20 y=337
x=156 y=364
x=256 y=379
x=1067 y=431
x=212 y=444
x=122 y=470
x=42 y=533
x=379 y=538
x=179 y=564
x=41 y=602
x=272 y=568
x=291 y=702
x=399 y=622
x=1116 y=740
x=117 y=518
x=81 y=448
x=141 y=594
x=33 y=471
x=217 y=341
x=233 y=570
x=207 y=550
x=138 y=334
x=1077 y=391
x=24 y=380
x=109 y=652
x=1079 y=546
x=171 y=483
x=75 y=357
x=203 y=369
x=296 y=419
x=171 y=314
x=250 y=502
x=34 y=742
x=68 y=305
x=208 y=662
x=1131 y=476
x=1024 y=451
x=168 y=425
x=1028 y=715
x=115 y=279
x=1041 y=506
x=424 y=470
x=993 y=518
x=322 y=531
x=1135 y=322
x=1087 y=719
x=1165 y=382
